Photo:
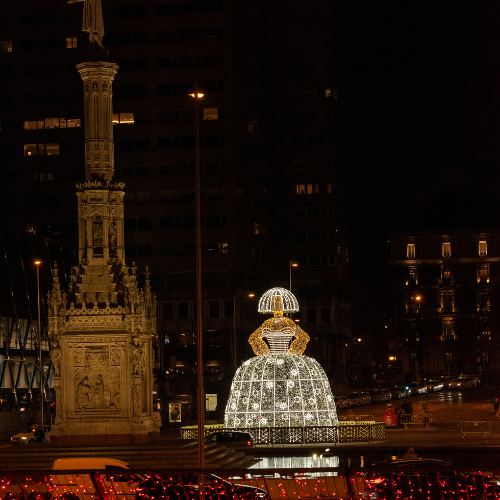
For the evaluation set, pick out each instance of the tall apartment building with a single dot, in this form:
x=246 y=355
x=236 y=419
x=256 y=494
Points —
x=446 y=305
x=268 y=128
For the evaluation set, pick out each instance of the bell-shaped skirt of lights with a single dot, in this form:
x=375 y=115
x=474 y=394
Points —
x=280 y=390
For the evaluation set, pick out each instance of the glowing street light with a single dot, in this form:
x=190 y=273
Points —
x=199 y=324
x=40 y=364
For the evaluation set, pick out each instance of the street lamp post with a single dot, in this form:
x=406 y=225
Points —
x=199 y=323
x=292 y=264
x=40 y=364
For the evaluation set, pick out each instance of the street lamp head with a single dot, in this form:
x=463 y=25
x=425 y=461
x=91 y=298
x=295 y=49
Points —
x=38 y=262
x=294 y=264
x=197 y=95
x=418 y=298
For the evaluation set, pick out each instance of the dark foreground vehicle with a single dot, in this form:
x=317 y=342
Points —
x=426 y=479
x=185 y=487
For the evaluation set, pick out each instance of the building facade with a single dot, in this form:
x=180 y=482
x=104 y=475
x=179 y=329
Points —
x=446 y=307
x=270 y=185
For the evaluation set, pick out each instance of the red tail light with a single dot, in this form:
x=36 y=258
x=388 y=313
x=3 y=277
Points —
x=249 y=443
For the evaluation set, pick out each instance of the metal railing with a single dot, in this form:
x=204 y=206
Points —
x=482 y=427
x=346 y=432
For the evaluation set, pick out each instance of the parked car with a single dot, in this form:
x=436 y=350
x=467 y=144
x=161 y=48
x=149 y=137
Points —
x=31 y=435
x=461 y=383
x=366 y=399
x=380 y=395
x=398 y=392
x=231 y=438
x=417 y=389
x=354 y=398
x=475 y=379
x=342 y=402
x=434 y=385
x=445 y=380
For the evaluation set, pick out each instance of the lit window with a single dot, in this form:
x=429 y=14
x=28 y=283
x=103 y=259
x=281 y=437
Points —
x=72 y=123
x=329 y=188
x=307 y=188
x=52 y=149
x=52 y=123
x=6 y=46
x=446 y=274
x=483 y=274
x=30 y=149
x=483 y=248
x=224 y=247
x=210 y=114
x=328 y=93
x=30 y=125
x=71 y=42
x=41 y=149
x=410 y=250
x=300 y=189
x=123 y=118
x=257 y=228
x=446 y=249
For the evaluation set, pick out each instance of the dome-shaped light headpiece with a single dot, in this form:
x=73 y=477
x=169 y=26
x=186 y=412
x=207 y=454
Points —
x=278 y=301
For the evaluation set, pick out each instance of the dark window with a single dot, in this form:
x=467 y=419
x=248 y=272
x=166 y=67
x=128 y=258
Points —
x=187 y=141
x=189 y=221
x=126 y=91
x=313 y=212
x=130 y=251
x=314 y=260
x=168 y=310
x=144 y=224
x=162 y=36
x=163 y=89
x=299 y=237
x=129 y=224
x=213 y=220
x=165 y=143
x=142 y=144
x=325 y=315
x=229 y=308
x=311 y=315
x=213 y=308
x=182 y=310
x=127 y=145
x=314 y=236
x=141 y=91
x=167 y=222
x=144 y=250
x=163 y=63
x=299 y=213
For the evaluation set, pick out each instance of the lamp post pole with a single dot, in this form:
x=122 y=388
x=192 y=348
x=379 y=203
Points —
x=292 y=264
x=199 y=320
x=40 y=364
x=395 y=332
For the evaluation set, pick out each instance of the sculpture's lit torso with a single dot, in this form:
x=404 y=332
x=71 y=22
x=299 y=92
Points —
x=280 y=387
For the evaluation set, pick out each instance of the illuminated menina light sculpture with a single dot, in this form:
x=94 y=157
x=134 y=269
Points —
x=280 y=387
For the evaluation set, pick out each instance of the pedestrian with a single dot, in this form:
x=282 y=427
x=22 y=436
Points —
x=410 y=453
x=496 y=403
x=425 y=409
x=410 y=407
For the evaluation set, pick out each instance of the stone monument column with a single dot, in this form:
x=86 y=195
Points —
x=105 y=324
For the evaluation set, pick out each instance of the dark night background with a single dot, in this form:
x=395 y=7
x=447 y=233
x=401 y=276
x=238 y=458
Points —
x=419 y=85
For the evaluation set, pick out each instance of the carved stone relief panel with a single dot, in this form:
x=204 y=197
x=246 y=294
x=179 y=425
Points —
x=97 y=384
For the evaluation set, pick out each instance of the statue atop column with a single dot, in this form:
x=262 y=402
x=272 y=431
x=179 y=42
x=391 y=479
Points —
x=93 y=22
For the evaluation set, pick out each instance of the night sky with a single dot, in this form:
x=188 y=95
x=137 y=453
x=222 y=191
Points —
x=419 y=86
